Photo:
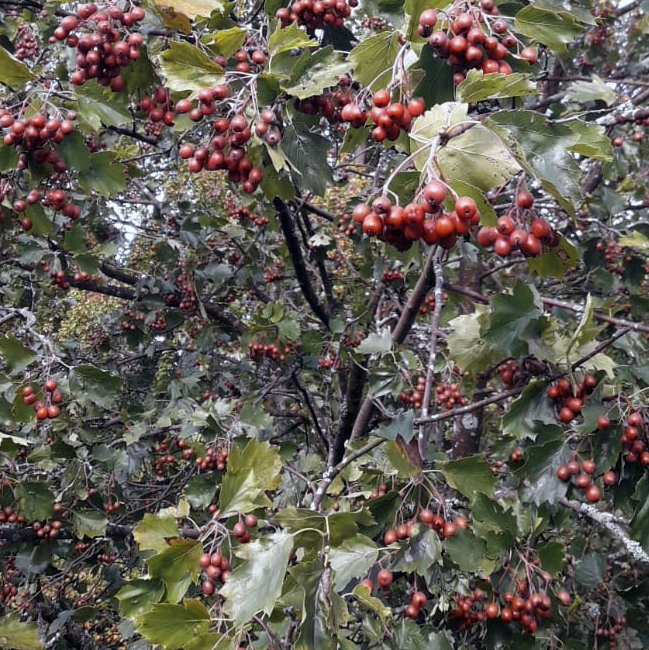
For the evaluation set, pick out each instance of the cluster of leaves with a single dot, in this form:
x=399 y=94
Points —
x=232 y=462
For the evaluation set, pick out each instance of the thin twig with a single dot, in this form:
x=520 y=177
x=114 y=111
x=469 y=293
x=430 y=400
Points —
x=422 y=438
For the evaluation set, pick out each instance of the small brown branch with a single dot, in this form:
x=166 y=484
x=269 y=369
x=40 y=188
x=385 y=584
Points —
x=304 y=391
x=600 y=348
x=577 y=309
x=469 y=293
x=132 y=133
x=331 y=474
x=319 y=211
x=415 y=300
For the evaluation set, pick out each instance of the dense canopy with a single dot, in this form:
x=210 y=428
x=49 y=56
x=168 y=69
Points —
x=324 y=324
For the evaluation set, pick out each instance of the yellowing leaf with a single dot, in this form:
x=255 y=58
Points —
x=478 y=156
x=191 y=8
x=17 y=634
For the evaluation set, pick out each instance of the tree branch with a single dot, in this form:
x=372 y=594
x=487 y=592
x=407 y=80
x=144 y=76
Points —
x=295 y=251
x=356 y=378
x=422 y=438
x=399 y=333
x=611 y=524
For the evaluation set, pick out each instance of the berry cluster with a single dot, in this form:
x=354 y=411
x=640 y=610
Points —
x=414 y=396
x=217 y=569
x=159 y=108
x=208 y=99
x=583 y=474
x=443 y=527
x=509 y=372
x=393 y=275
x=187 y=290
x=241 y=530
x=47 y=529
x=49 y=407
x=634 y=439
x=610 y=629
x=329 y=361
x=245 y=59
x=213 y=459
x=242 y=213
x=449 y=395
x=226 y=151
x=107 y=558
x=26 y=46
x=614 y=256
x=274 y=273
x=331 y=104
x=522 y=606
x=9 y=578
x=259 y=351
x=346 y=225
x=351 y=340
x=101 y=54
x=389 y=118
x=130 y=320
x=569 y=403
x=227 y=389
x=267 y=127
x=35 y=135
x=511 y=235
x=316 y=14
x=465 y=44
x=426 y=220
x=429 y=303
x=418 y=601
x=10 y=516
x=380 y=491
x=401 y=532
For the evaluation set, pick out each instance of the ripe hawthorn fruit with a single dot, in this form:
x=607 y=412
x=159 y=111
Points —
x=593 y=493
x=419 y=599
x=384 y=578
x=390 y=536
x=449 y=529
x=524 y=199
x=609 y=478
x=491 y=610
x=588 y=466
x=239 y=529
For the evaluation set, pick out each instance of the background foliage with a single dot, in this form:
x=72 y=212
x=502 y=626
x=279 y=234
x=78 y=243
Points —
x=324 y=325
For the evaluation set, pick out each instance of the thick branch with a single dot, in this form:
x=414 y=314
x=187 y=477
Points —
x=611 y=524
x=356 y=378
x=399 y=333
x=295 y=251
